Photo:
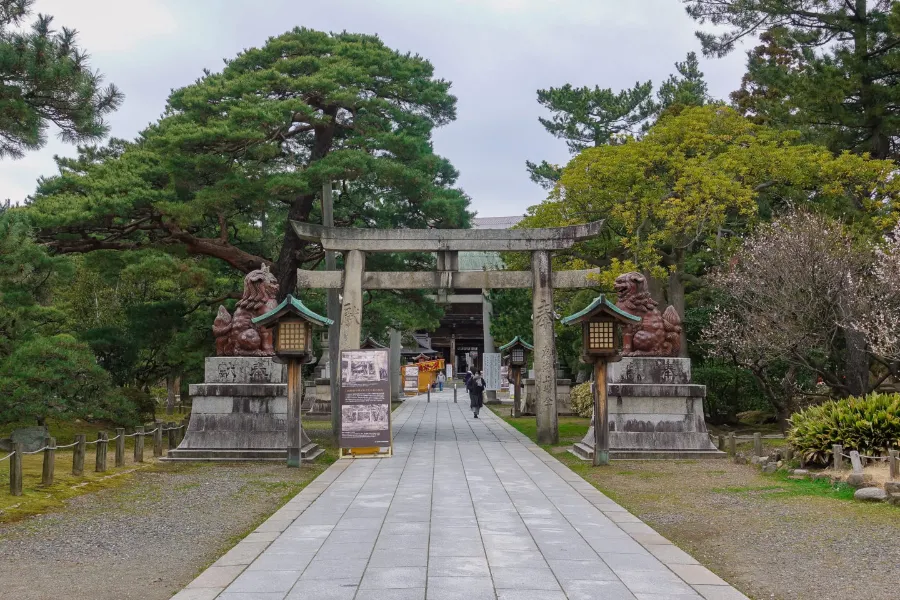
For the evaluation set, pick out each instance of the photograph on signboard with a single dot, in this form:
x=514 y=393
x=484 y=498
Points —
x=365 y=399
x=364 y=366
x=364 y=417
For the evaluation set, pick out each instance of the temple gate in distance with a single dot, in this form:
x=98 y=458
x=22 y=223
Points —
x=447 y=243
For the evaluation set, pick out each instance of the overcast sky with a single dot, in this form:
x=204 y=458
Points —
x=496 y=53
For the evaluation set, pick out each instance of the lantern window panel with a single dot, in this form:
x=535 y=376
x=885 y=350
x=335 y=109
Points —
x=601 y=335
x=292 y=336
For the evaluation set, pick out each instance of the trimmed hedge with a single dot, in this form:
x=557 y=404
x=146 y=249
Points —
x=870 y=425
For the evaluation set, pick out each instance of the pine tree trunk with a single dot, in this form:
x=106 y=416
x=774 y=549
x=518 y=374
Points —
x=878 y=144
x=292 y=247
x=170 y=394
x=655 y=287
x=676 y=299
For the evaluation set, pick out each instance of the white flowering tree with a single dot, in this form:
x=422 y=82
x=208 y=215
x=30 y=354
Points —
x=878 y=317
x=788 y=299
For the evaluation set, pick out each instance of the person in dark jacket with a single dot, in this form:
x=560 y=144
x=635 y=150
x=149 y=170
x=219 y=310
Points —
x=476 y=392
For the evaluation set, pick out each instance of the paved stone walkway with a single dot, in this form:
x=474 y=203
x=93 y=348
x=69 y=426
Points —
x=466 y=509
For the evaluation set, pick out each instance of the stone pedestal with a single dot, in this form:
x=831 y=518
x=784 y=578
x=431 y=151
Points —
x=654 y=412
x=563 y=397
x=240 y=413
x=322 y=403
x=528 y=397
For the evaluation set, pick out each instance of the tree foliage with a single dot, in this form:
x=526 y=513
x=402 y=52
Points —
x=828 y=67
x=586 y=117
x=239 y=153
x=790 y=295
x=258 y=140
x=44 y=373
x=28 y=276
x=45 y=79
x=58 y=377
x=699 y=179
x=878 y=294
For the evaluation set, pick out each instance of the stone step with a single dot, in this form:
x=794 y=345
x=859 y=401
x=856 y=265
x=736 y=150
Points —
x=313 y=455
x=308 y=453
x=586 y=452
x=582 y=451
x=310 y=449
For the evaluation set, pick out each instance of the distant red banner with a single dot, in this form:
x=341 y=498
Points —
x=429 y=366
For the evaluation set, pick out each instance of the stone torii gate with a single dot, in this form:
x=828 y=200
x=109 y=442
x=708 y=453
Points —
x=447 y=243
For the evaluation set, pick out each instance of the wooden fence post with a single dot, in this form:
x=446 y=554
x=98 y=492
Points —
x=139 y=444
x=894 y=465
x=78 y=455
x=838 y=452
x=49 y=461
x=120 y=447
x=789 y=453
x=721 y=442
x=157 y=440
x=732 y=444
x=757 y=444
x=15 y=470
x=172 y=433
x=102 y=449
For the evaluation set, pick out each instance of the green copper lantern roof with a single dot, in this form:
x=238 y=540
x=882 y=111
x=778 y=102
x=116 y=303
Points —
x=515 y=340
x=600 y=304
x=291 y=305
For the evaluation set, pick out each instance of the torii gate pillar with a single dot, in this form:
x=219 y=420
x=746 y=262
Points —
x=351 y=303
x=544 y=348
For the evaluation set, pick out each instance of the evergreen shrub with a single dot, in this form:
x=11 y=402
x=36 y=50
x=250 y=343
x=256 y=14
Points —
x=869 y=424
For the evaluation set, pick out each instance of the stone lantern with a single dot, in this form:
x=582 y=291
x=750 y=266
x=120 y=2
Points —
x=292 y=324
x=517 y=351
x=601 y=323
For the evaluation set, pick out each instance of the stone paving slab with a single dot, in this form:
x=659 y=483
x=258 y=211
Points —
x=465 y=509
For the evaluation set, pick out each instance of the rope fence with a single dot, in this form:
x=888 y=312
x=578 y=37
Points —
x=101 y=445
x=892 y=459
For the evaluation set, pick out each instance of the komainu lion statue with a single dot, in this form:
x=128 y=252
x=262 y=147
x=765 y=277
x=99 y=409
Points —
x=657 y=334
x=237 y=335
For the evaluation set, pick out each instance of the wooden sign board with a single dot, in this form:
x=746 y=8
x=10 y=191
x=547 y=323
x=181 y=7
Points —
x=365 y=404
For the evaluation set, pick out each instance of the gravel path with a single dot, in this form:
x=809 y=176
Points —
x=758 y=533
x=146 y=539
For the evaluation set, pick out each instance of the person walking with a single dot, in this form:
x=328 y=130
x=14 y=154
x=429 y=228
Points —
x=476 y=392
x=440 y=380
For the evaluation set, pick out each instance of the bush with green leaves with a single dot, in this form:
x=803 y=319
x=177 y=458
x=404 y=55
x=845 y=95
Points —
x=582 y=399
x=868 y=424
x=58 y=377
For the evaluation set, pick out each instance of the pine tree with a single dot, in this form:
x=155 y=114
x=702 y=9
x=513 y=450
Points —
x=45 y=79
x=588 y=118
x=827 y=67
x=240 y=153
x=687 y=88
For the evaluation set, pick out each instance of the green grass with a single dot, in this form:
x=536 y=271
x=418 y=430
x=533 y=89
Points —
x=38 y=499
x=792 y=488
x=571 y=429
